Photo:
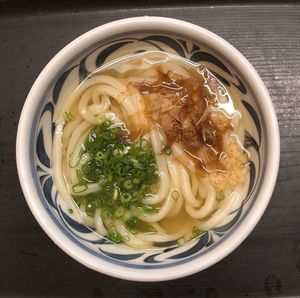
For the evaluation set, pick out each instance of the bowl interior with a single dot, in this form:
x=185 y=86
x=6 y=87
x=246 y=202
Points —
x=70 y=76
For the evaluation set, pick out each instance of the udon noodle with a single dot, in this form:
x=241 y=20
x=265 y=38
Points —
x=169 y=164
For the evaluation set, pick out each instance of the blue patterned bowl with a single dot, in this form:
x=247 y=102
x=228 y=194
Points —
x=72 y=65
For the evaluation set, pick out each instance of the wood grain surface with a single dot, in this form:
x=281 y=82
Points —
x=266 y=264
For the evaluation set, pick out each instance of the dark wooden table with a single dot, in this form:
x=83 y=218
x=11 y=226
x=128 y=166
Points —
x=266 y=264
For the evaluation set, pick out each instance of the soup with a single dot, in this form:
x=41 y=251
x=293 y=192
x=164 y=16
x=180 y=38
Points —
x=148 y=151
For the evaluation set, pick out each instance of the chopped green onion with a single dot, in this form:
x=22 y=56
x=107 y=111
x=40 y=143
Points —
x=109 y=177
x=106 y=214
x=196 y=232
x=116 y=193
x=125 y=171
x=79 y=176
x=70 y=210
x=136 y=181
x=144 y=143
x=133 y=223
x=137 y=211
x=119 y=212
x=70 y=163
x=136 y=196
x=114 y=237
x=181 y=241
x=149 y=209
x=128 y=184
x=101 y=119
x=68 y=116
x=125 y=197
x=90 y=209
x=99 y=155
x=220 y=196
x=121 y=171
x=79 y=188
x=116 y=152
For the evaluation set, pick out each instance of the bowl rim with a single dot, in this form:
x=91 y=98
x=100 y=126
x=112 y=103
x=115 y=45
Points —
x=127 y=25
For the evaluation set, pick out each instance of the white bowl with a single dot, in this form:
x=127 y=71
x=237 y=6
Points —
x=67 y=69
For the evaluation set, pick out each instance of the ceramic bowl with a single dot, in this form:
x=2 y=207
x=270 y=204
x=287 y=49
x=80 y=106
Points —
x=70 y=67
